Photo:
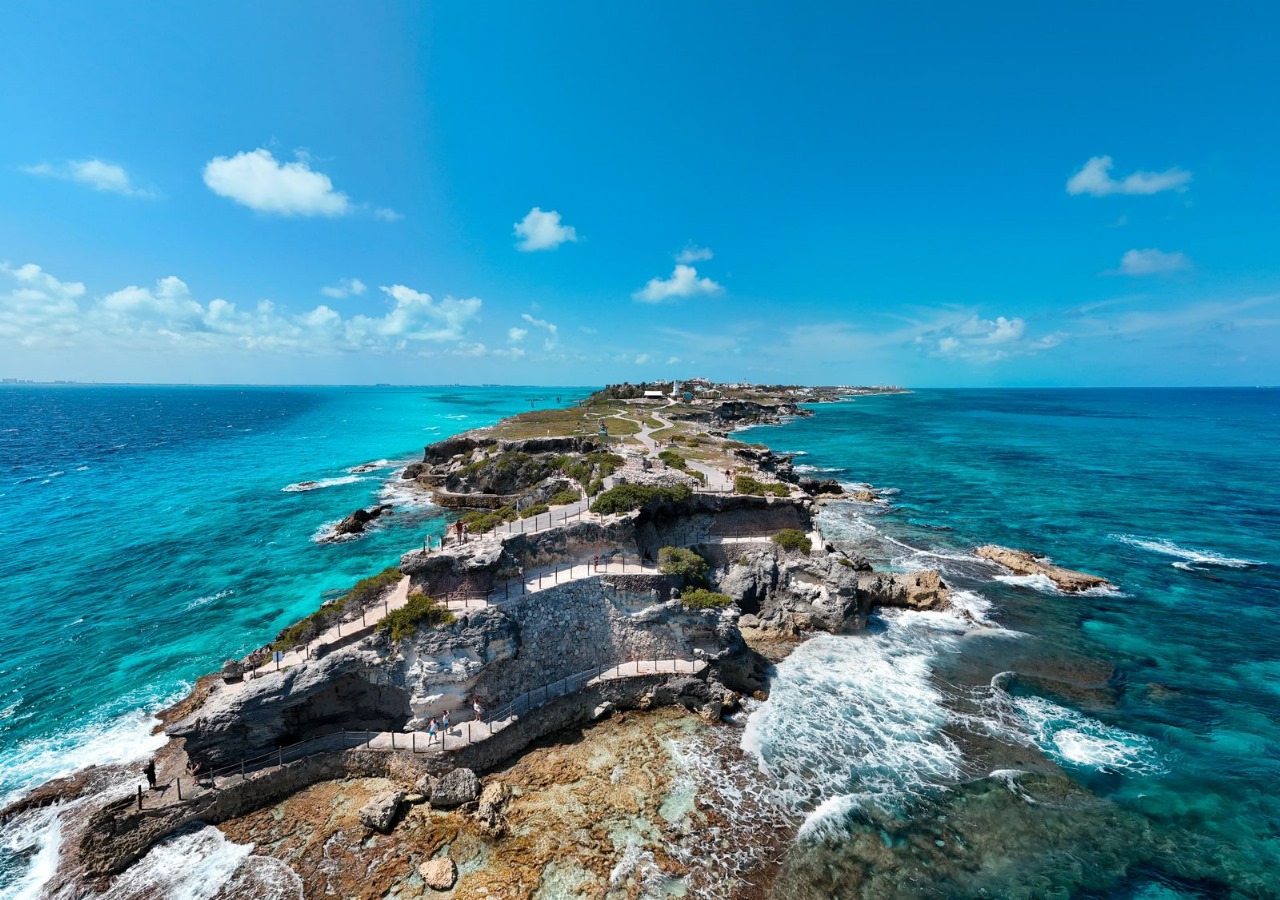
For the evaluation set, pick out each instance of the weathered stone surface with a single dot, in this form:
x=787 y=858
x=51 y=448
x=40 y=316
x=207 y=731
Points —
x=439 y=874
x=381 y=812
x=455 y=788
x=909 y=590
x=1020 y=562
x=864 y=496
x=356 y=522
x=493 y=799
x=820 y=486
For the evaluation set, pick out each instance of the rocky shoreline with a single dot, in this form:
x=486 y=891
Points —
x=548 y=652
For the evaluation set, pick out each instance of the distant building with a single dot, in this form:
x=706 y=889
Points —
x=654 y=395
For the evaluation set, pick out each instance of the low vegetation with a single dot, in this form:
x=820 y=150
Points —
x=793 y=539
x=564 y=498
x=479 y=521
x=701 y=598
x=745 y=484
x=589 y=467
x=536 y=510
x=627 y=497
x=359 y=596
x=682 y=563
x=420 y=611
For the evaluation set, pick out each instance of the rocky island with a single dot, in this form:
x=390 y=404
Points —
x=612 y=566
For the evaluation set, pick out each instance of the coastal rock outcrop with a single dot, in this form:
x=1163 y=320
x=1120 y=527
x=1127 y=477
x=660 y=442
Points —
x=820 y=487
x=1020 y=562
x=356 y=522
x=381 y=812
x=455 y=789
x=921 y=591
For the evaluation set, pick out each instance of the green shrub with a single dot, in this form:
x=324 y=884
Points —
x=628 y=497
x=564 y=498
x=701 y=598
x=793 y=539
x=674 y=459
x=845 y=561
x=419 y=611
x=683 y=563
x=536 y=510
x=595 y=487
x=745 y=484
x=359 y=596
x=478 y=521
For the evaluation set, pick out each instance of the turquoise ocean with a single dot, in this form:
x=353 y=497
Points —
x=1121 y=743
x=150 y=533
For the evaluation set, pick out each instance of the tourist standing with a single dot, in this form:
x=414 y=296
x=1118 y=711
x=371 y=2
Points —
x=432 y=728
x=150 y=771
x=477 y=709
x=444 y=723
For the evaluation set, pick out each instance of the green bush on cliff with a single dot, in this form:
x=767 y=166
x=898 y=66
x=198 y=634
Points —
x=359 y=596
x=793 y=539
x=420 y=611
x=745 y=484
x=479 y=521
x=564 y=498
x=628 y=497
x=701 y=598
x=674 y=459
x=536 y=510
x=682 y=563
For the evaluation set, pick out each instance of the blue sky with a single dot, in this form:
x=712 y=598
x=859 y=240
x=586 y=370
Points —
x=924 y=194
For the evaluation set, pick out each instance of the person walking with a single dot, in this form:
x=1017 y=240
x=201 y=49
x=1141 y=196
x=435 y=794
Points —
x=596 y=560
x=150 y=771
x=432 y=728
x=444 y=722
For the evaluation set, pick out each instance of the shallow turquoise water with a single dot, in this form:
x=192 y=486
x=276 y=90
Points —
x=1162 y=699
x=147 y=537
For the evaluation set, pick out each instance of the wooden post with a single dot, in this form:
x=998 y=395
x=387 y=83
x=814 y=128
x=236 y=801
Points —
x=280 y=757
x=139 y=796
x=413 y=741
x=242 y=767
x=393 y=740
x=179 y=783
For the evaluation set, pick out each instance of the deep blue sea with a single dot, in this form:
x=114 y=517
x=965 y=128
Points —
x=1117 y=744
x=1027 y=743
x=150 y=533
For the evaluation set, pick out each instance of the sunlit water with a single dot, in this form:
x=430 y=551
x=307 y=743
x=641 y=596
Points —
x=149 y=534
x=1122 y=743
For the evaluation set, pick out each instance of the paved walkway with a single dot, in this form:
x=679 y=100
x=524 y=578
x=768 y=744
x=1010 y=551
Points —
x=461 y=734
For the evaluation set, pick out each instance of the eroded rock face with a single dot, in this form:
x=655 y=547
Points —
x=454 y=789
x=1020 y=562
x=823 y=486
x=356 y=522
x=493 y=799
x=921 y=591
x=381 y=812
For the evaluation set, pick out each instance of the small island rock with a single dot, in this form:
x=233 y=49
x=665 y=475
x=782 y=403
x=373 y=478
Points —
x=1020 y=562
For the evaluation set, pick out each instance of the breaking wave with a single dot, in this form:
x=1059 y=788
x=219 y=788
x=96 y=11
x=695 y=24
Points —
x=1188 y=558
x=301 y=486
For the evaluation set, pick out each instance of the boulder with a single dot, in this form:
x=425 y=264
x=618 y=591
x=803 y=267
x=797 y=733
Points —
x=380 y=812
x=1020 y=562
x=355 y=523
x=864 y=496
x=921 y=591
x=455 y=788
x=816 y=486
x=439 y=874
x=493 y=799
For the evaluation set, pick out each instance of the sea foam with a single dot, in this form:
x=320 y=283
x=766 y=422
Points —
x=1188 y=557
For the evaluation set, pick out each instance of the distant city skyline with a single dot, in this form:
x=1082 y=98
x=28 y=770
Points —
x=931 y=196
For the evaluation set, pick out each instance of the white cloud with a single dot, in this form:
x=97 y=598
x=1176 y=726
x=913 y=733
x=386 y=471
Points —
x=553 y=331
x=1152 y=262
x=257 y=180
x=387 y=215
x=975 y=339
x=642 y=359
x=346 y=287
x=516 y=335
x=1095 y=179
x=38 y=310
x=693 y=253
x=684 y=282
x=99 y=175
x=540 y=230
x=673 y=360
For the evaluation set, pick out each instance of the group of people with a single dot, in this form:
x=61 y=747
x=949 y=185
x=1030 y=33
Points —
x=440 y=727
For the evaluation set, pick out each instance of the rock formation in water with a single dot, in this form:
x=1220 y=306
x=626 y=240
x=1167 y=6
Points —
x=1020 y=562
